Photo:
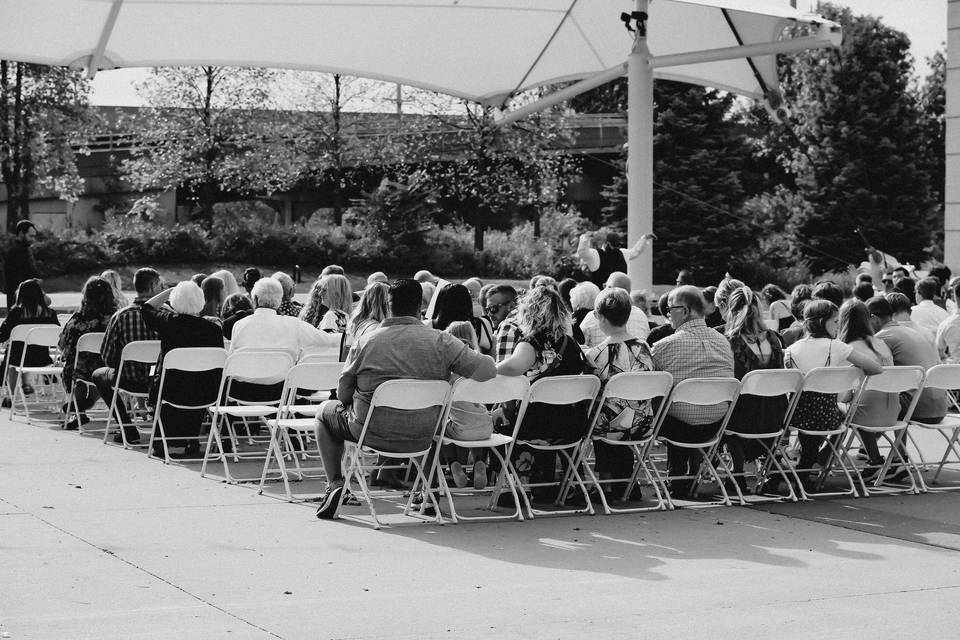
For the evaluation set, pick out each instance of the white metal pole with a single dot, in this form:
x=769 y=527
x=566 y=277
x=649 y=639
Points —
x=640 y=156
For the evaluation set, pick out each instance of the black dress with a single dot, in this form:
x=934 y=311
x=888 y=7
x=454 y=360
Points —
x=757 y=414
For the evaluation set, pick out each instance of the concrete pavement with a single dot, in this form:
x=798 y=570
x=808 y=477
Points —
x=98 y=542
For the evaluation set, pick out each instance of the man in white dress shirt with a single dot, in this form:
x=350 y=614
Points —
x=926 y=314
x=637 y=325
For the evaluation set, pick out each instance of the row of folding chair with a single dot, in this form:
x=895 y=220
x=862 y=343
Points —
x=47 y=396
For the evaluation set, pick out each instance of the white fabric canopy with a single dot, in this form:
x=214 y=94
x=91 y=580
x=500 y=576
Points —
x=482 y=50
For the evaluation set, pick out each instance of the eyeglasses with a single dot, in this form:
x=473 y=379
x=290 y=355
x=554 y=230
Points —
x=493 y=308
x=676 y=306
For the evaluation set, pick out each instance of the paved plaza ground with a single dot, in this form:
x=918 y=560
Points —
x=99 y=542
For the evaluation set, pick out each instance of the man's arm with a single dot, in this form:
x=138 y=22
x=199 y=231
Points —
x=636 y=250
x=465 y=361
x=347 y=384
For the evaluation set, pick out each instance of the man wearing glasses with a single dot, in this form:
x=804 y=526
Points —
x=501 y=303
x=693 y=351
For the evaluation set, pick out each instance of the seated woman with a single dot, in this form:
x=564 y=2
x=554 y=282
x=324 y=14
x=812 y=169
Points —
x=230 y=285
x=235 y=307
x=619 y=352
x=545 y=349
x=454 y=304
x=583 y=298
x=777 y=305
x=98 y=304
x=372 y=311
x=113 y=279
x=820 y=348
x=31 y=308
x=754 y=347
x=179 y=325
x=213 y=296
x=330 y=304
x=876 y=408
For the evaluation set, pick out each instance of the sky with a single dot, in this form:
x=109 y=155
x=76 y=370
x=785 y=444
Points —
x=924 y=21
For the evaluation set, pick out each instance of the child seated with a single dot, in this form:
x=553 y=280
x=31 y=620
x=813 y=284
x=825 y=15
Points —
x=467 y=421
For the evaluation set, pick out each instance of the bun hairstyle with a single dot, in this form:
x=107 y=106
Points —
x=816 y=314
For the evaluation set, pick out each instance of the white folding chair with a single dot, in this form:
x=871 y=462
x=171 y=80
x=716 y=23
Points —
x=17 y=335
x=331 y=352
x=893 y=380
x=185 y=360
x=699 y=392
x=765 y=383
x=632 y=386
x=139 y=352
x=946 y=378
x=296 y=414
x=63 y=317
x=418 y=396
x=87 y=343
x=254 y=367
x=565 y=391
x=48 y=390
x=830 y=380
x=499 y=390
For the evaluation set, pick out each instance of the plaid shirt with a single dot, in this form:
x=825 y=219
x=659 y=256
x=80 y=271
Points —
x=289 y=308
x=695 y=351
x=508 y=336
x=127 y=326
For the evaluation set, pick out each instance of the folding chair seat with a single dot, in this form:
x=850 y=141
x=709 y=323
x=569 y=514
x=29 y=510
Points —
x=87 y=343
x=296 y=414
x=829 y=380
x=48 y=390
x=199 y=396
x=17 y=335
x=567 y=390
x=764 y=383
x=426 y=397
x=945 y=377
x=245 y=366
x=698 y=392
x=499 y=390
x=632 y=386
x=893 y=380
x=145 y=352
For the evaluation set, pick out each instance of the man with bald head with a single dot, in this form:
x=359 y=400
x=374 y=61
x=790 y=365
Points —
x=693 y=351
x=637 y=325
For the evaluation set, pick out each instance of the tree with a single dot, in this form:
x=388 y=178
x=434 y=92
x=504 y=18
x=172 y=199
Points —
x=933 y=98
x=703 y=173
x=855 y=148
x=45 y=121
x=209 y=130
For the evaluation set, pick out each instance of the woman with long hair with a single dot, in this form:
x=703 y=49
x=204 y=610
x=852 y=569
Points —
x=230 y=285
x=820 y=348
x=113 y=279
x=98 y=304
x=754 y=347
x=876 y=408
x=777 y=305
x=373 y=309
x=454 y=304
x=330 y=304
x=31 y=307
x=214 y=293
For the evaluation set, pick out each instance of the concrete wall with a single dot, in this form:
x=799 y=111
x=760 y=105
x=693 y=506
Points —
x=951 y=221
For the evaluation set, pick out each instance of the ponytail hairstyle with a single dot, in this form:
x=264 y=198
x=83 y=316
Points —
x=743 y=315
x=816 y=313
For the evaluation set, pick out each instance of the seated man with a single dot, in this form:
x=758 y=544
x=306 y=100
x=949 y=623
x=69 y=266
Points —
x=126 y=326
x=637 y=325
x=693 y=351
x=289 y=306
x=926 y=315
x=401 y=348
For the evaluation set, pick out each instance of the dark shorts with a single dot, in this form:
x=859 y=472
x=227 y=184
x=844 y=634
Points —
x=337 y=419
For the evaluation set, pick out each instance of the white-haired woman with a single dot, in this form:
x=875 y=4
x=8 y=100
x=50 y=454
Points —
x=582 y=298
x=330 y=304
x=180 y=324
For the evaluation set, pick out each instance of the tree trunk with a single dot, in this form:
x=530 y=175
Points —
x=536 y=222
x=478 y=236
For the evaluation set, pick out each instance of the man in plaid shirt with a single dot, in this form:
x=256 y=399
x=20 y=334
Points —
x=127 y=326
x=501 y=311
x=693 y=351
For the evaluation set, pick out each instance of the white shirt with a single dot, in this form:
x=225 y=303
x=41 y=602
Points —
x=266 y=330
x=637 y=326
x=928 y=317
x=810 y=353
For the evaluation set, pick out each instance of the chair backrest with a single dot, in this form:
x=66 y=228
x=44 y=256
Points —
x=146 y=351
x=195 y=359
x=19 y=332
x=47 y=335
x=63 y=317
x=896 y=380
x=320 y=354
x=90 y=343
x=258 y=365
x=564 y=389
x=499 y=389
x=705 y=391
x=832 y=379
x=410 y=395
x=771 y=382
x=639 y=385
x=942 y=376
x=313 y=375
